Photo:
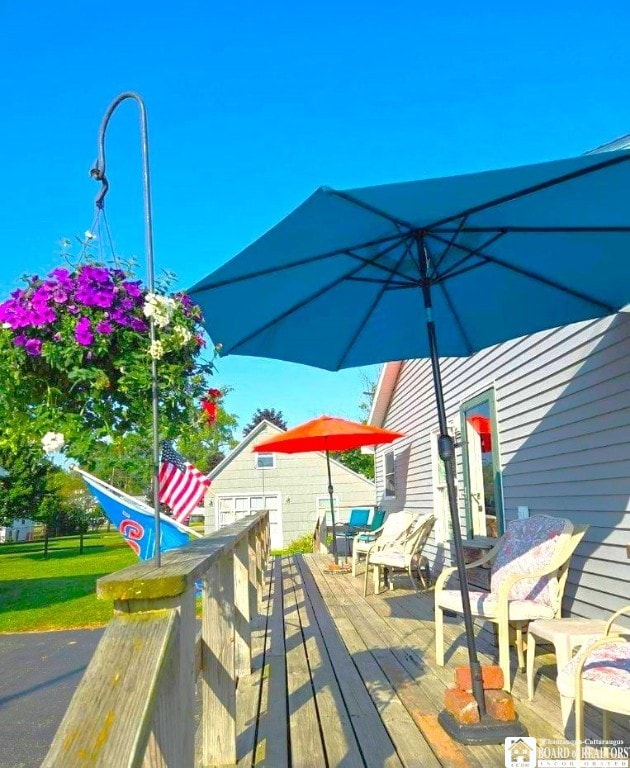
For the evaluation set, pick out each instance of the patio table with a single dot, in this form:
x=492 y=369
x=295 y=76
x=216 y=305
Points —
x=566 y=635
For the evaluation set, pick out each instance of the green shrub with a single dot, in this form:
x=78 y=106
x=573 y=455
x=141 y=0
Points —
x=301 y=546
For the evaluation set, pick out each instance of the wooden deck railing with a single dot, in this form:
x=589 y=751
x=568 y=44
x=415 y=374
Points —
x=135 y=703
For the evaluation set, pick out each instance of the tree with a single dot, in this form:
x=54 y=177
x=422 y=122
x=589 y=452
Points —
x=363 y=463
x=367 y=399
x=28 y=484
x=265 y=414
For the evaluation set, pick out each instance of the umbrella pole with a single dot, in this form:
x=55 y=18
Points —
x=332 y=509
x=446 y=450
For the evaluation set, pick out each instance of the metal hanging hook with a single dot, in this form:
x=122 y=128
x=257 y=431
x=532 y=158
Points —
x=98 y=174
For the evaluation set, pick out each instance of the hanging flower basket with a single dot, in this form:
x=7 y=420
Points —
x=79 y=343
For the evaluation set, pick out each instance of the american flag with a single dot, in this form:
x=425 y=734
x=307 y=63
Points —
x=182 y=485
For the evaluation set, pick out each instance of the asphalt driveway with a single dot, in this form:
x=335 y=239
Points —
x=39 y=672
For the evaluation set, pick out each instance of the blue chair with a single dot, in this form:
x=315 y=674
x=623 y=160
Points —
x=358 y=523
x=358 y=520
x=375 y=525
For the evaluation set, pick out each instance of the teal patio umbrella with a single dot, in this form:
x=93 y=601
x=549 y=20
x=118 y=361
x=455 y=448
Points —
x=361 y=276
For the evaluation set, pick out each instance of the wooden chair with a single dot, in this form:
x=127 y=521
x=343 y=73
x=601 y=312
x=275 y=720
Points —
x=401 y=554
x=529 y=570
x=599 y=675
x=395 y=525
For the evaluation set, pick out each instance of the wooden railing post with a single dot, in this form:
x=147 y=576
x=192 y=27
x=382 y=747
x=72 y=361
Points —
x=217 y=673
x=242 y=617
x=259 y=563
x=253 y=579
x=267 y=540
x=135 y=704
x=172 y=740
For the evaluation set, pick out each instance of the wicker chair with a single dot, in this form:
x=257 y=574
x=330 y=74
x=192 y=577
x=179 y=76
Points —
x=402 y=554
x=599 y=675
x=529 y=571
x=396 y=525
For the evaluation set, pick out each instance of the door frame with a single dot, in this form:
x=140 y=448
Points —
x=487 y=395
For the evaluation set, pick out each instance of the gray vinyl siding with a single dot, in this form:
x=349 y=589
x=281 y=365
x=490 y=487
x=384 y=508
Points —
x=563 y=413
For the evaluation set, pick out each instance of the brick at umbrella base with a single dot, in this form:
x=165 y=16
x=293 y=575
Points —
x=492 y=678
x=463 y=707
x=461 y=703
x=500 y=705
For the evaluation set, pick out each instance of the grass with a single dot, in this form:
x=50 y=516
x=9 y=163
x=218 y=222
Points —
x=58 y=593
x=301 y=546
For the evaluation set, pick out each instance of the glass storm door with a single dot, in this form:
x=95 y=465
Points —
x=482 y=466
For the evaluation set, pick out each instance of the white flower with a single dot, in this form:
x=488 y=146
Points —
x=156 y=350
x=182 y=334
x=89 y=235
x=6 y=325
x=160 y=308
x=52 y=442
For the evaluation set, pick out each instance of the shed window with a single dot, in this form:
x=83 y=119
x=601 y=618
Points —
x=265 y=460
x=389 y=466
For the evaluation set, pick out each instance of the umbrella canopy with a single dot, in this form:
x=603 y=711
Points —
x=348 y=278
x=327 y=433
x=510 y=252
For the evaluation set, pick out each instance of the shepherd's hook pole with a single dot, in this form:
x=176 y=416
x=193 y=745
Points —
x=98 y=173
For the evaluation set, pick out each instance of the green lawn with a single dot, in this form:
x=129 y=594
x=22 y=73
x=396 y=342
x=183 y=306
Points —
x=58 y=593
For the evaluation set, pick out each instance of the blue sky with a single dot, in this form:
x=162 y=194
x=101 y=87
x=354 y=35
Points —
x=254 y=105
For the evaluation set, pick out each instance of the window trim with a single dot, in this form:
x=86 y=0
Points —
x=258 y=456
x=390 y=452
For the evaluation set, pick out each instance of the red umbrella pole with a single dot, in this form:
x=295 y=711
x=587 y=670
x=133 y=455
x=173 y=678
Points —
x=332 y=509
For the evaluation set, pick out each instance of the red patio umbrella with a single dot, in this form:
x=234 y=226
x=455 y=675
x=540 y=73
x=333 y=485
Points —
x=327 y=433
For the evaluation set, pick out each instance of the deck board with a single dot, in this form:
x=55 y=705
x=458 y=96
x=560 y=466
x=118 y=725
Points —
x=272 y=738
x=340 y=743
x=344 y=680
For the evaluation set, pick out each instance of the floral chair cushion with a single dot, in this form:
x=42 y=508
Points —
x=529 y=546
x=607 y=665
x=486 y=605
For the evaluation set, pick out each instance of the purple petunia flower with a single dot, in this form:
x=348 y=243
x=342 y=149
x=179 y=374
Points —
x=33 y=347
x=62 y=279
x=133 y=289
x=136 y=324
x=58 y=293
x=105 y=327
x=119 y=317
x=20 y=340
x=83 y=332
x=90 y=274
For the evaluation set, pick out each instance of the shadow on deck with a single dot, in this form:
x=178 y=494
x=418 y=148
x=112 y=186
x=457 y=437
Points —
x=343 y=680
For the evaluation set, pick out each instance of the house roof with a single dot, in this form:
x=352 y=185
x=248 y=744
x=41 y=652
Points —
x=247 y=440
x=384 y=391
x=251 y=437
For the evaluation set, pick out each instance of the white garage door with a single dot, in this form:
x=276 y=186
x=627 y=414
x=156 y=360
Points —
x=233 y=508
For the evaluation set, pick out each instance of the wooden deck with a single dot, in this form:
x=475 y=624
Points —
x=343 y=680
